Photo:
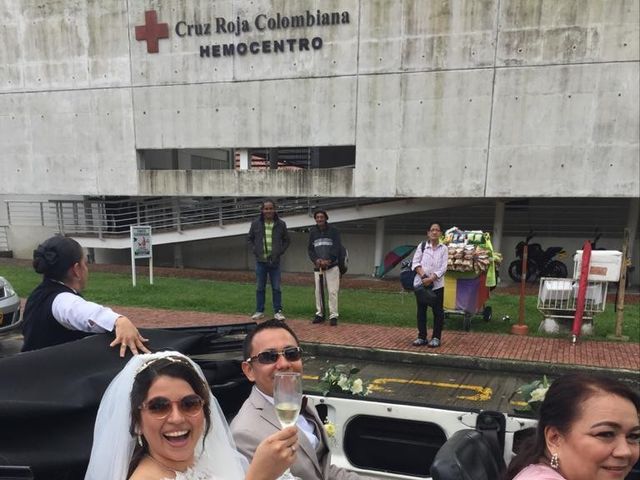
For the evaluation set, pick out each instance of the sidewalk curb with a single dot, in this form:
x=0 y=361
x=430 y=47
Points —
x=462 y=362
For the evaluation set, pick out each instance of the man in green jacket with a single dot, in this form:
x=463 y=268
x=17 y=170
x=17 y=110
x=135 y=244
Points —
x=269 y=239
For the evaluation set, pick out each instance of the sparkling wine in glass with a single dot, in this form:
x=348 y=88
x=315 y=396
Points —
x=287 y=413
x=287 y=399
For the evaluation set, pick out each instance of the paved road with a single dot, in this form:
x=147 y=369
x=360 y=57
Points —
x=10 y=344
x=420 y=384
x=402 y=382
x=454 y=388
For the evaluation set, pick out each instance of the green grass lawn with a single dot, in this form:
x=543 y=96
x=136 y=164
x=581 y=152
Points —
x=356 y=306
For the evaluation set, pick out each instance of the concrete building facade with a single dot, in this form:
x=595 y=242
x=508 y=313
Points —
x=472 y=101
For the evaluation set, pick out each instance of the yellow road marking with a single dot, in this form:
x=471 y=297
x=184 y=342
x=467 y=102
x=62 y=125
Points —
x=482 y=394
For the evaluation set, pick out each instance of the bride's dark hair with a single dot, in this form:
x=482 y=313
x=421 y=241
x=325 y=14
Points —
x=175 y=367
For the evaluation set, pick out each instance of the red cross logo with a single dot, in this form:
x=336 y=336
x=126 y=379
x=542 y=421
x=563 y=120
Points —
x=151 y=31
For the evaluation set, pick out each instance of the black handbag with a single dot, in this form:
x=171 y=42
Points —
x=425 y=294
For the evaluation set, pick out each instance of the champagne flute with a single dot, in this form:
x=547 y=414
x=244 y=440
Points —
x=287 y=399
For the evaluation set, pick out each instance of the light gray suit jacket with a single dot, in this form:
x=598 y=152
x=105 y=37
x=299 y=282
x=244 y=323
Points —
x=257 y=419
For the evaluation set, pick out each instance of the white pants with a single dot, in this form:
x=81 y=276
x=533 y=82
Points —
x=332 y=285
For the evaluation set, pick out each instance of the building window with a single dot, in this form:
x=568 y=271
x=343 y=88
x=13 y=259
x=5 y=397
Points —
x=281 y=158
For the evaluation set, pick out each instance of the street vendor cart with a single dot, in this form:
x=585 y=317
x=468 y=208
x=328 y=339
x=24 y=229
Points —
x=466 y=294
x=471 y=273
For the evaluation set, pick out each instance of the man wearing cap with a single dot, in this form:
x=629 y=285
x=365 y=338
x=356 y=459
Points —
x=324 y=251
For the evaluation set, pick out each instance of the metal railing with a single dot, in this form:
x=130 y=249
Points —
x=31 y=213
x=112 y=217
x=4 y=239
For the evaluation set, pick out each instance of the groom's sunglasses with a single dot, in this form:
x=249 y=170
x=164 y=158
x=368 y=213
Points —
x=268 y=357
x=160 y=407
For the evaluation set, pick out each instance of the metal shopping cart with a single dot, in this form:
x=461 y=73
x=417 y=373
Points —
x=557 y=299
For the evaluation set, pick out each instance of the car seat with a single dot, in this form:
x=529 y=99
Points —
x=468 y=455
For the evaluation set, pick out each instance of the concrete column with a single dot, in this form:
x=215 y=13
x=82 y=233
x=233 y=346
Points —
x=175 y=164
x=378 y=252
x=273 y=158
x=244 y=158
x=178 y=260
x=498 y=226
x=632 y=223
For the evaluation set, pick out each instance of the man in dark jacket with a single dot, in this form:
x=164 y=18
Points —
x=269 y=239
x=324 y=251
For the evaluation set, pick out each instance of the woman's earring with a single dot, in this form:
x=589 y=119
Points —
x=555 y=461
x=142 y=445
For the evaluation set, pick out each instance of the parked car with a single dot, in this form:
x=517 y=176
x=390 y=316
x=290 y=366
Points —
x=9 y=308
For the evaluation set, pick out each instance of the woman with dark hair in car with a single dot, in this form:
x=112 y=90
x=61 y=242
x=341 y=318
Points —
x=588 y=430
x=55 y=311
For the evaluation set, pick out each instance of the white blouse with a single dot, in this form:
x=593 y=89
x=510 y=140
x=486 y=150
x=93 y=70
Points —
x=75 y=313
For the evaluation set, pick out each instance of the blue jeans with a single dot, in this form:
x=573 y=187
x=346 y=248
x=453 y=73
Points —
x=273 y=271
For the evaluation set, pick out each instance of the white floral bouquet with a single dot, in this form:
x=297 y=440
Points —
x=533 y=394
x=341 y=379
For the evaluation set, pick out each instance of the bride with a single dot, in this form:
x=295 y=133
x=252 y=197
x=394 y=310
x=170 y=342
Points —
x=159 y=421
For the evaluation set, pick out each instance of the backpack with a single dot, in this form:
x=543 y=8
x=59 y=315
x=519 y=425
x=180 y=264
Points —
x=406 y=274
x=343 y=260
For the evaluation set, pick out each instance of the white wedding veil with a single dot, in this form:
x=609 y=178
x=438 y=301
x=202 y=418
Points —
x=113 y=445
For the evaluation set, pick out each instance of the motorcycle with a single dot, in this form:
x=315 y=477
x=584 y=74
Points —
x=540 y=262
x=594 y=243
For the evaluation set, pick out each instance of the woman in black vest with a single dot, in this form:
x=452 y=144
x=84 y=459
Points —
x=56 y=313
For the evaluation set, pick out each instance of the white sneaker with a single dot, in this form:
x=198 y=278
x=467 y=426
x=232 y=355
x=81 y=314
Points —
x=257 y=316
x=279 y=316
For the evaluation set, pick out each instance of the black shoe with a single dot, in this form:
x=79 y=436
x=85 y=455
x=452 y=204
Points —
x=333 y=321
x=318 y=319
x=434 y=343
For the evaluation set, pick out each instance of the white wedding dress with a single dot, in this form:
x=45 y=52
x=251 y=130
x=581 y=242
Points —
x=194 y=473
x=113 y=445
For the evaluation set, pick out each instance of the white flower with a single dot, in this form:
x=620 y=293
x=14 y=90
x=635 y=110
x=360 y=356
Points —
x=357 y=386
x=341 y=378
x=330 y=429
x=538 y=394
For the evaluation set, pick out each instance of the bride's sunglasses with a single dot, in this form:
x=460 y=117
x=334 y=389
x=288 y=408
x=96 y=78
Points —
x=160 y=407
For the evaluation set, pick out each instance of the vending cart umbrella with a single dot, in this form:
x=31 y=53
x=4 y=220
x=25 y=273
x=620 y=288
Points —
x=582 y=290
x=393 y=258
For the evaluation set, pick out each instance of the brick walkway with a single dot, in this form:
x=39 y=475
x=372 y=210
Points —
x=558 y=351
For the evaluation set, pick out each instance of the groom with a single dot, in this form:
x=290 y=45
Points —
x=273 y=347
